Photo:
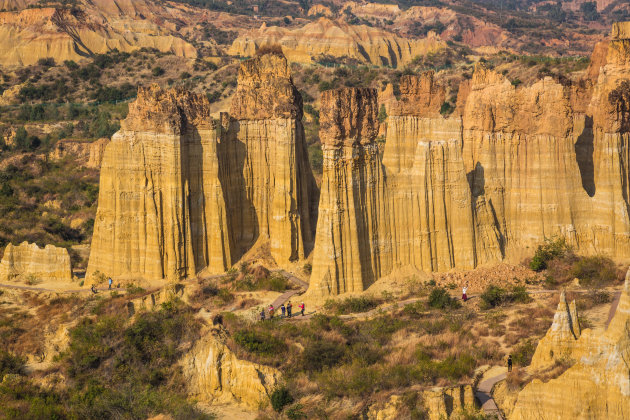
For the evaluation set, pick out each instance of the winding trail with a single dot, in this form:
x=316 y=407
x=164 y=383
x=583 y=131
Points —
x=41 y=289
x=484 y=395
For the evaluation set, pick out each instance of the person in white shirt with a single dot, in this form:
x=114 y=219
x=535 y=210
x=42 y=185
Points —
x=464 y=290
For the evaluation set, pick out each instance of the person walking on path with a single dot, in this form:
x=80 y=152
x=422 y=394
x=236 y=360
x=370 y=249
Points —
x=109 y=281
x=262 y=314
x=301 y=308
x=283 y=310
x=271 y=311
x=289 y=309
x=509 y=361
x=464 y=290
x=93 y=289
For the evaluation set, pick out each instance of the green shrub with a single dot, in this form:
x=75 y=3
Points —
x=439 y=298
x=280 y=398
x=523 y=353
x=157 y=71
x=493 y=296
x=10 y=363
x=547 y=251
x=259 y=342
x=295 y=412
x=352 y=305
x=318 y=355
x=594 y=272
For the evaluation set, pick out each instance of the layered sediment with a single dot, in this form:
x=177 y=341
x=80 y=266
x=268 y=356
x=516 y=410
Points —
x=50 y=263
x=509 y=168
x=180 y=192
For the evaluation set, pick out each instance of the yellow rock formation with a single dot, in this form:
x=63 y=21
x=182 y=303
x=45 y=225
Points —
x=215 y=375
x=597 y=386
x=89 y=154
x=561 y=339
x=93 y=27
x=180 y=193
x=450 y=402
x=337 y=38
x=28 y=260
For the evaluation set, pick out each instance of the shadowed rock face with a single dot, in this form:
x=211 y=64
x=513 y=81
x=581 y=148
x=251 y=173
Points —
x=179 y=193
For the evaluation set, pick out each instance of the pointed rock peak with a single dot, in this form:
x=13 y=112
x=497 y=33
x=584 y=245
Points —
x=349 y=116
x=166 y=110
x=485 y=76
x=562 y=320
x=620 y=30
x=265 y=88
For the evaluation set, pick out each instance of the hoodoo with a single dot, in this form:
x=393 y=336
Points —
x=180 y=193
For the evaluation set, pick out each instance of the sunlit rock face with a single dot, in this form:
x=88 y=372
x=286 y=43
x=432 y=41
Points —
x=180 y=192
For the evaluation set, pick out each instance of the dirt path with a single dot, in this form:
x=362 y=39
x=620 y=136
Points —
x=283 y=298
x=484 y=395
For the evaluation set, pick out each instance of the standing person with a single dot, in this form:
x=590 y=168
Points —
x=271 y=311
x=289 y=309
x=510 y=363
x=302 y=308
x=109 y=281
x=283 y=310
x=262 y=314
x=93 y=289
x=464 y=290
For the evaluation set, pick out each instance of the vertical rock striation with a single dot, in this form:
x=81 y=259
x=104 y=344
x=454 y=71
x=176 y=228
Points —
x=180 y=193
x=46 y=264
x=352 y=247
x=161 y=211
x=271 y=190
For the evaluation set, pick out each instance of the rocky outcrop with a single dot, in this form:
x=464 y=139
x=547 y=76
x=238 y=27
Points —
x=215 y=375
x=449 y=402
x=180 y=192
x=413 y=208
x=561 y=339
x=597 y=386
x=336 y=38
x=90 y=27
x=351 y=246
x=28 y=260
x=89 y=154
x=271 y=191
x=161 y=211
x=509 y=168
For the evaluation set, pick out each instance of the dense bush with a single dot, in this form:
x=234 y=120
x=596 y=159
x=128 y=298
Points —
x=546 y=252
x=439 y=298
x=523 y=353
x=352 y=304
x=10 y=363
x=322 y=354
x=495 y=296
x=259 y=342
x=280 y=398
x=596 y=271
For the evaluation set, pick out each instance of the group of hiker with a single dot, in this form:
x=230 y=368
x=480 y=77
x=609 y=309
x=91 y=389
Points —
x=109 y=286
x=285 y=311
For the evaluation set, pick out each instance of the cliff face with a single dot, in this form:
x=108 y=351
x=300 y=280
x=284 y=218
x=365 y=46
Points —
x=215 y=374
x=413 y=208
x=92 y=27
x=352 y=244
x=180 y=193
x=161 y=211
x=337 y=38
x=509 y=168
x=271 y=190
x=46 y=264
x=596 y=386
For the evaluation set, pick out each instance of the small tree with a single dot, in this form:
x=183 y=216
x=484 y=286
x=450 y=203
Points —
x=382 y=114
x=280 y=398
